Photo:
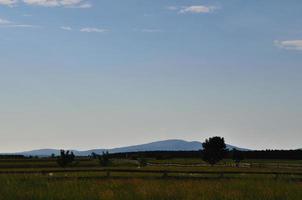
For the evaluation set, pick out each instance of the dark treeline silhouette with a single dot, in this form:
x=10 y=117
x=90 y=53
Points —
x=159 y=155
x=12 y=157
x=264 y=154
x=162 y=155
x=274 y=154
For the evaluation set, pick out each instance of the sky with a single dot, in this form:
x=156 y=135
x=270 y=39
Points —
x=83 y=74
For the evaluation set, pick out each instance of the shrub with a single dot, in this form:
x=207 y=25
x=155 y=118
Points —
x=66 y=158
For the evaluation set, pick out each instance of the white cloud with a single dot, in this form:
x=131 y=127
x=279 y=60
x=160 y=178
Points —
x=66 y=28
x=289 y=44
x=8 y=2
x=46 y=3
x=93 y=30
x=57 y=3
x=4 y=22
x=197 y=9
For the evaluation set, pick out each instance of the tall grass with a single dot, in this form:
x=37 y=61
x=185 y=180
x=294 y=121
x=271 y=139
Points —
x=31 y=187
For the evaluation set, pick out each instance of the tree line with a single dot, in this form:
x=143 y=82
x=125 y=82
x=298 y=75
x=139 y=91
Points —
x=262 y=154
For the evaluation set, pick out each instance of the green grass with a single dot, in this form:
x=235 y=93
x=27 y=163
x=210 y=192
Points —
x=38 y=187
x=92 y=185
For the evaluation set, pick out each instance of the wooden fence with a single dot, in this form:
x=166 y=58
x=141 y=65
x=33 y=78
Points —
x=162 y=173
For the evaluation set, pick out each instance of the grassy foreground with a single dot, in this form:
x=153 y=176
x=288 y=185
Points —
x=35 y=187
x=43 y=179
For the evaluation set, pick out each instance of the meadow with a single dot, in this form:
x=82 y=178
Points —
x=180 y=178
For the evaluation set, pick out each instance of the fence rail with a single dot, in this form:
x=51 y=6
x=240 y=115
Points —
x=163 y=172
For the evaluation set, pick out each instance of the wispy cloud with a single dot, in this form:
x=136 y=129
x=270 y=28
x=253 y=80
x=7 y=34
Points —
x=4 y=21
x=289 y=44
x=172 y=8
x=50 y=3
x=93 y=30
x=193 y=9
x=21 y=26
x=66 y=28
x=8 y=2
x=147 y=30
x=9 y=24
x=151 y=30
x=82 y=5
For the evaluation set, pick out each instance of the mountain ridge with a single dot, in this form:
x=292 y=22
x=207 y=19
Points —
x=163 y=145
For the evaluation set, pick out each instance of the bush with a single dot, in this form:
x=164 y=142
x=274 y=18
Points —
x=66 y=158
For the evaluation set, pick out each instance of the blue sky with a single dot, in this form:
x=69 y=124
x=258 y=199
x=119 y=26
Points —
x=99 y=73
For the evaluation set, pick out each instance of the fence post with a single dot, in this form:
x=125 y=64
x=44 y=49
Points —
x=165 y=174
x=108 y=174
x=276 y=176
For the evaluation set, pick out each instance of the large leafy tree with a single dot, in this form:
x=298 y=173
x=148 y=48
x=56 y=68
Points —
x=214 y=150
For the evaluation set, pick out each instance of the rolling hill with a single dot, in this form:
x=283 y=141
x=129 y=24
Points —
x=165 y=145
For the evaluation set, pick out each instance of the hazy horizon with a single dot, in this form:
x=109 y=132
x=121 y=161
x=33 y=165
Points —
x=93 y=73
x=142 y=143
x=130 y=145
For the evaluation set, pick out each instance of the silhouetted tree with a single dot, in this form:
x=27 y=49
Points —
x=66 y=158
x=213 y=150
x=237 y=156
x=94 y=155
x=104 y=159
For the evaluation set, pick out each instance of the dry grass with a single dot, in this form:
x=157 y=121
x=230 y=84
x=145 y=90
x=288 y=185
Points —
x=38 y=187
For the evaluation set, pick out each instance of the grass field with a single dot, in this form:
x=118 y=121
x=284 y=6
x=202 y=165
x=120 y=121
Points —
x=86 y=180
x=36 y=188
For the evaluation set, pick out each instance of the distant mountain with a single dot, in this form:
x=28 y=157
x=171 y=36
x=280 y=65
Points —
x=165 y=145
x=40 y=152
